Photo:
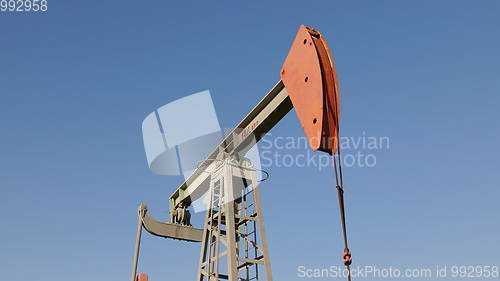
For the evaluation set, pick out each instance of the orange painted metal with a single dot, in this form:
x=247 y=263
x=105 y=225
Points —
x=142 y=277
x=310 y=80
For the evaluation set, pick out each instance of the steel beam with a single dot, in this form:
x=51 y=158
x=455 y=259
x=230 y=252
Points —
x=263 y=117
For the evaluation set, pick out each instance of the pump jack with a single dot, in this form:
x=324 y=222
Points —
x=233 y=240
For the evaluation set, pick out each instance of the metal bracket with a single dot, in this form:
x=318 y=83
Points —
x=169 y=230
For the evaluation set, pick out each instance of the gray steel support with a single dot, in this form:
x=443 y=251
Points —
x=168 y=230
x=263 y=117
x=137 y=243
x=234 y=245
x=260 y=220
x=232 y=261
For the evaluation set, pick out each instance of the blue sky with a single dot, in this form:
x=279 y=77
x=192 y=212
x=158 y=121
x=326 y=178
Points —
x=77 y=81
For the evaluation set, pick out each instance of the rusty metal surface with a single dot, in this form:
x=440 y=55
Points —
x=308 y=84
x=142 y=277
x=331 y=96
x=309 y=77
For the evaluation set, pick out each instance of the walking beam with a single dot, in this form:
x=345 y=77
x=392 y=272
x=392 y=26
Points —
x=308 y=84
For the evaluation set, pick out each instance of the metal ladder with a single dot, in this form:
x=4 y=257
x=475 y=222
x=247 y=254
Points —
x=234 y=245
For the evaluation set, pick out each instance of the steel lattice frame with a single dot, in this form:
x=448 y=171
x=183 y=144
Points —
x=234 y=245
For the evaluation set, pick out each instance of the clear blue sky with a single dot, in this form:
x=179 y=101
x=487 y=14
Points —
x=76 y=83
